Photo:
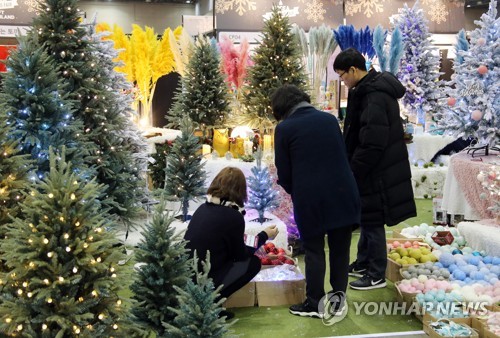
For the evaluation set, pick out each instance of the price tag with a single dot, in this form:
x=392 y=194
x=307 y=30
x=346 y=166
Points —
x=251 y=240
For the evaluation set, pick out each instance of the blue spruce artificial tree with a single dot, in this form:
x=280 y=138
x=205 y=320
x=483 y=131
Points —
x=185 y=170
x=199 y=306
x=165 y=259
x=261 y=197
x=473 y=103
x=419 y=71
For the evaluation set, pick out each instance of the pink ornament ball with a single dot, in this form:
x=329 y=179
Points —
x=476 y=115
x=481 y=41
x=452 y=101
x=396 y=244
x=407 y=244
x=482 y=69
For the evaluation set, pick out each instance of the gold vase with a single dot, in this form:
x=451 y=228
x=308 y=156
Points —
x=221 y=141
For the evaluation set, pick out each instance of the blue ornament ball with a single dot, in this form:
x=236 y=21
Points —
x=438 y=264
x=446 y=259
x=474 y=260
x=452 y=267
x=476 y=253
x=487 y=259
x=495 y=260
x=459 y=275
x=456 y=252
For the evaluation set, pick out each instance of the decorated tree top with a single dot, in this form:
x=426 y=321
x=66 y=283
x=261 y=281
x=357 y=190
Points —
x=277 y=60
x=202 y=95
x=473 y=103
x=419 y=71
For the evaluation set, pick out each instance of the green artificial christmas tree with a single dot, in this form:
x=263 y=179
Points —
x=64 y=277
x=277 y=60
x=99 y=104
x=13 y=174
x=200 y=307
x=159 y=166
x=124 y=174
x=38 y=109
x=185 y=171
x=202 y=95
x=164 y=259
x=262 y=196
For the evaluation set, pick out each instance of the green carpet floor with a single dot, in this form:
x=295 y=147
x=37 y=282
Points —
x=277 y=322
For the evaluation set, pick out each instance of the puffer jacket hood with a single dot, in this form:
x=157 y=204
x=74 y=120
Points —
x=381 y=82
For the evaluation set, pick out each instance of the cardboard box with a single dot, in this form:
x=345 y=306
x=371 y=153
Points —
x=397 y=235
x=478 y=325
x=433 y=334
x=428 y=318
x=286 y=292
x=244 y=297
x=405 y=298
x=392 y=271
x=489 y=334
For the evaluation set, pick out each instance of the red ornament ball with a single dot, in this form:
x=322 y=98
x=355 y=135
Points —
x=482 y=69
x=476 y=115
x=452 y=101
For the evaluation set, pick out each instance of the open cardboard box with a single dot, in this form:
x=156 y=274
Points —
x=270 y=293
x=244 y=297
x=428 y=318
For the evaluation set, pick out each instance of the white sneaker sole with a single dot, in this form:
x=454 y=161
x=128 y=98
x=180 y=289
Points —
x=378 y=286
x=355 y=274
x=307 y=314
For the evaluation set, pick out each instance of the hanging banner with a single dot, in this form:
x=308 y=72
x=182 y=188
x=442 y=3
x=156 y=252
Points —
x=444 y=16
x=16 y=15
x=234 y=15
x=4 y=54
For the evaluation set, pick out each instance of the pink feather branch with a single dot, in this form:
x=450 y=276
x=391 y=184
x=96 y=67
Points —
x=234 y=61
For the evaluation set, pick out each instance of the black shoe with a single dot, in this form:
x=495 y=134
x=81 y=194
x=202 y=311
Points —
x=305 y=310
x=227 y=314
x=355 y=271
x=368 y=283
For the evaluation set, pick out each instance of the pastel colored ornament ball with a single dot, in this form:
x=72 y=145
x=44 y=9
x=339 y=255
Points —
x=451 y=101
x=481 y=41
x=482 y=69
x=476 y=115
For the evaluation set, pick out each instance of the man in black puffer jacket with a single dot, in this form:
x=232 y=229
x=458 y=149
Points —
x=377 y=153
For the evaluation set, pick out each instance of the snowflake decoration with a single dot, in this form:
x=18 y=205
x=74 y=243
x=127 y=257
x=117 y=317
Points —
x=438 y=12
x=315 y=11
x=33 y=6
x=368 y=7
x=239 y=6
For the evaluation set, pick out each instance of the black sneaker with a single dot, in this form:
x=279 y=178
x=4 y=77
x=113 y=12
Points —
x=305 y=310
x=368 y=283
x=355 y=271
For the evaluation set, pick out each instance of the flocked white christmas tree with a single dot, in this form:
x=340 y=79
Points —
x=473 y=103
x=262 y=197
x=419 y=70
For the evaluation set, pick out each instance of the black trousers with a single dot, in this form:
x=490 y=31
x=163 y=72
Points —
x=372 y=251
x=239 y=274
x=339 y=243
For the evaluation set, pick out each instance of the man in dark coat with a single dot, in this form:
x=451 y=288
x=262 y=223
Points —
x=377 y=153
x=312 y=167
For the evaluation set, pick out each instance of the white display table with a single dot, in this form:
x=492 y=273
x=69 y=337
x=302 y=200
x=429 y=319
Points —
x=425 y=146
x=482 y=235
x=461 y=193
